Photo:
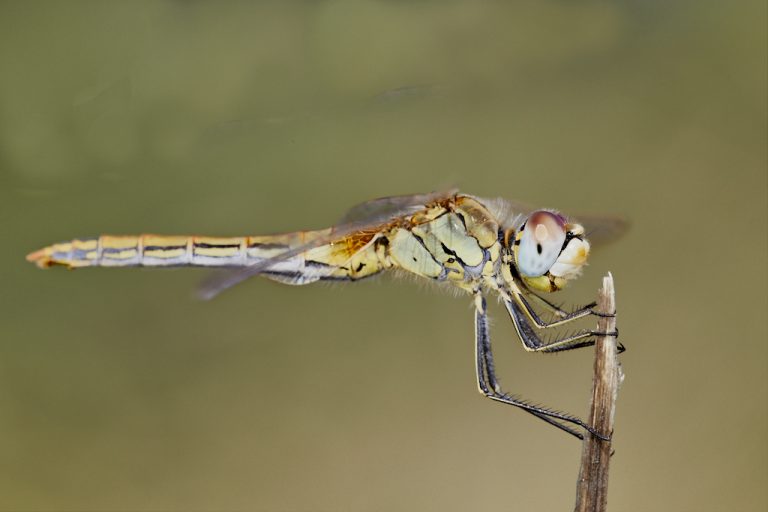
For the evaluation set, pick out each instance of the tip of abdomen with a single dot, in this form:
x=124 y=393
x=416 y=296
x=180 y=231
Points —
x=41 y=258
x=65 y=254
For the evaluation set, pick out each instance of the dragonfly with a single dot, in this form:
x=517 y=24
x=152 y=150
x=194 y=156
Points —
x=478 y=246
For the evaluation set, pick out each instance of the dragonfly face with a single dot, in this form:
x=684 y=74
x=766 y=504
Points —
x=548 y=251
x=476 y=245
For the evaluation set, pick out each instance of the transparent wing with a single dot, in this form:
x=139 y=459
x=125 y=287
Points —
x=385 y=209
x=600 y=229
x=603 y=229
x=220 y=281
x=367 y=216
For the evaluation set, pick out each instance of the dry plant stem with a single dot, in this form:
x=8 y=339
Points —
x=592 y=486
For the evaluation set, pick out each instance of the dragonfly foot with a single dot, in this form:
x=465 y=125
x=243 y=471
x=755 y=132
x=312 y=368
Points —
x=614 y=333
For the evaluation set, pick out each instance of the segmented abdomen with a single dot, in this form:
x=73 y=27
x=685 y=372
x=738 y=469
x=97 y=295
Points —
x=158 y=251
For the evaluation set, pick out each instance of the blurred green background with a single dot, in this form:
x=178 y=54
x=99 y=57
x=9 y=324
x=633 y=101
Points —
x=119 y=391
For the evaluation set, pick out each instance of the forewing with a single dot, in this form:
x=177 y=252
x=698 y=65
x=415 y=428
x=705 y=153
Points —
x=364 y=217
x=603 y=229
x=600 y=229
x=385 y=209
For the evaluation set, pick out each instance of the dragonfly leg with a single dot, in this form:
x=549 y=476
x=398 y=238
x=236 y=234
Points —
x=483 y=353
x=563 y=316
x=534 y=343
x=560 y=312
x=489 y=385
x=588 y=343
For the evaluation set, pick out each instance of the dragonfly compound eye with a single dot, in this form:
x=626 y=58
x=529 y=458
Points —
x=541 y=241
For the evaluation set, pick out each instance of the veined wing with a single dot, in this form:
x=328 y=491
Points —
x=358 y=223
x=600 y=229
x=384 y=209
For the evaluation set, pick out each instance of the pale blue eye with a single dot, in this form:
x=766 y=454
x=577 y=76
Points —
x=540 y=244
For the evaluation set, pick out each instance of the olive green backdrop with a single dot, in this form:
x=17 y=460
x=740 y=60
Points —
x=119 y=391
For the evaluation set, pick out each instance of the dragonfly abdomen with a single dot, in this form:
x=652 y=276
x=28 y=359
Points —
x=153 y=251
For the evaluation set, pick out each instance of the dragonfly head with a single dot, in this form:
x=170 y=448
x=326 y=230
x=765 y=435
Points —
x=548 y=251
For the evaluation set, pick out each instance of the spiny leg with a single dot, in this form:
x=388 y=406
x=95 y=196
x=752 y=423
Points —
x=531 y=340
x=483 y=354
x=485 y=368
x=519 y=295
x=557 y=310
x=588 y=343
x=564 y=318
